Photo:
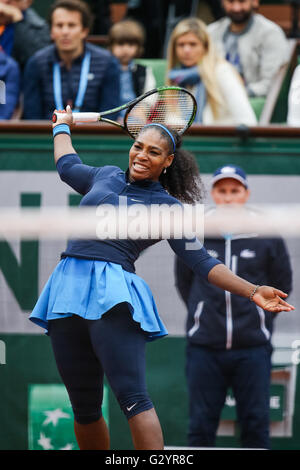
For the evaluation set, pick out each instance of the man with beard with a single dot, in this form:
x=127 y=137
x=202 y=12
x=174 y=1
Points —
x=256 y=46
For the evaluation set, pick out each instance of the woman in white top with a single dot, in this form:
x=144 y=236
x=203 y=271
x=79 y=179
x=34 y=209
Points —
x=293 y=116
x=193 y=63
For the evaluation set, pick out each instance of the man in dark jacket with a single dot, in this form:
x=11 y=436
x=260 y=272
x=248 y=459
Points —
x=70 y=71
x=229 y=337
x=10 y=85
x=31 y=34
x=26 y=32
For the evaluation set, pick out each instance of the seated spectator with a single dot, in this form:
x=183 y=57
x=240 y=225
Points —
x=10 y=86
x=27 y=34
x=9 y=15
x=256 y=46
x=293 y=116
x=217 y=87
x=70 y=71
x=126 y=42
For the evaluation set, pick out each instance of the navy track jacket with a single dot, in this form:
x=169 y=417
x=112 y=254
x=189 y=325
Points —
x=106 y=185
x=102 y=92
x=221 y=320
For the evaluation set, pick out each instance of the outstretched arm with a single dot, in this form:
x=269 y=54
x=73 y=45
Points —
x=265 y=297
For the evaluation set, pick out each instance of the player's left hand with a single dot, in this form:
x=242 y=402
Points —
x=270 y=299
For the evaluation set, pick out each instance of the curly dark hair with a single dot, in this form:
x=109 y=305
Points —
x=182 y=179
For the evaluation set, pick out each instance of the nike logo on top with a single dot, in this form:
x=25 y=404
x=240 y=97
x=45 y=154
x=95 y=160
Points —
x=129 y=408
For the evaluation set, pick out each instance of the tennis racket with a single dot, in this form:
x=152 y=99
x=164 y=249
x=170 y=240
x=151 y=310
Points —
x=173 y=107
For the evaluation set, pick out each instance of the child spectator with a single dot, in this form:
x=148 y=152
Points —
x=126 y=42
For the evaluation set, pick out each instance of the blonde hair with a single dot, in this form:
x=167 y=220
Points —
x=207 y=63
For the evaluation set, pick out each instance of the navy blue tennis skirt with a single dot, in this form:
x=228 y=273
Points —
x=90 y=288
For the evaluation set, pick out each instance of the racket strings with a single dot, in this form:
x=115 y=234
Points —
x=172 y=108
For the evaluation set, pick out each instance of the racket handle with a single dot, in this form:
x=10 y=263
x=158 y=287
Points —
x=77 y=117
x=86 y=117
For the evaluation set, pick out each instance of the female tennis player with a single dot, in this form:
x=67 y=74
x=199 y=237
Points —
x=98 y=312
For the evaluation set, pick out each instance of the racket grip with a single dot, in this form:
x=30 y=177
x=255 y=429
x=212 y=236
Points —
x=77 y=117
x=85 y=117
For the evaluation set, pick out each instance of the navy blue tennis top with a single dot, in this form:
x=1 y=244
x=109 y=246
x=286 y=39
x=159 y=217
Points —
x=105 y=185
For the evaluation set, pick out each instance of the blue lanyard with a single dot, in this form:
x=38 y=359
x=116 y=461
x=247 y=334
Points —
x=85 y=67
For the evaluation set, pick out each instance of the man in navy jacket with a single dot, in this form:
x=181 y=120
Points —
x=70 y=71
x=25 y=30
x=229 y=337
x=10 y=86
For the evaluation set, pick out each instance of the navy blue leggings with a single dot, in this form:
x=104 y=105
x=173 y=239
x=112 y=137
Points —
x=85 y=350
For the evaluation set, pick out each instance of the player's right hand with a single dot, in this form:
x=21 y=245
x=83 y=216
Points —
x=62 y=117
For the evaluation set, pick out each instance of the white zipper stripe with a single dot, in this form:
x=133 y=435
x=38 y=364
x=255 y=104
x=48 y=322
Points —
x=234 y=260
x=228 y=296
x=197 y=315
x=229 y=319
x=263 y=327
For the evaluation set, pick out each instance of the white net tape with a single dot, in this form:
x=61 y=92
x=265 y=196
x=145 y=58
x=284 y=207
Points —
x=138 y=221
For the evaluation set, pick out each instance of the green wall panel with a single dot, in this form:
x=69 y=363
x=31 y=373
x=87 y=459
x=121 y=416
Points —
x=30 y=362
x=257 y=155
